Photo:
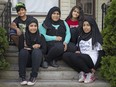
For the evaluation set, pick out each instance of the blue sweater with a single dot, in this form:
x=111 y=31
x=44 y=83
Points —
x=42 y=30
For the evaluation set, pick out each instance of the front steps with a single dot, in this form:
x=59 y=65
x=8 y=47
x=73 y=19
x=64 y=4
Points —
x=62 y=76
x=54 y=83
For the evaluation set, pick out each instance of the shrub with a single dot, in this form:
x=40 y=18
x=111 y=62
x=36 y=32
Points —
x=3 y=47
x=108 y=67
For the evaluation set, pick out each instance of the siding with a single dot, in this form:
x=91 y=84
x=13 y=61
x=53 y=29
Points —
x=99 y=12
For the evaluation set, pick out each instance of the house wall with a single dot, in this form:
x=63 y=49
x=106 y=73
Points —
x=66 y=5
x=98 y=12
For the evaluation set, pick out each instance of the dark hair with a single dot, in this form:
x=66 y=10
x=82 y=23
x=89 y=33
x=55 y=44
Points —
x=81 y=14
x=20 y=5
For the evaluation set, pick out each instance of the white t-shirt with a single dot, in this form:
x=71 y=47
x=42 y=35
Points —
x=86 y=48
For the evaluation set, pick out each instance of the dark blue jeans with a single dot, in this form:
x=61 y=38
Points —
x=35 y=56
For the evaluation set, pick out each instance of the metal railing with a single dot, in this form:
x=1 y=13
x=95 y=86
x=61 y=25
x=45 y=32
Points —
x=5 y=17
x=104 y=8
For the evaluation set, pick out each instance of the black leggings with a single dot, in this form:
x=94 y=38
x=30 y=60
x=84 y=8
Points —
x=80 y=62
x=56 y=50
x=35 y=56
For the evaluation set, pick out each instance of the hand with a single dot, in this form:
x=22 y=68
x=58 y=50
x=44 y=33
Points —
x=36 y=46
x=13 y=25
x=77 y=52
x=18 y=31
x=65 y=46
x=58 y=38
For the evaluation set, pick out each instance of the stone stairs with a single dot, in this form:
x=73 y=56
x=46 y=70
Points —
x=63 y=76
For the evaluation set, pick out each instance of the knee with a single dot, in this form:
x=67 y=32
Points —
x=59 y=48
x=36 y=52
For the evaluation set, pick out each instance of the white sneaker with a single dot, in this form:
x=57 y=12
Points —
x=23 y=81
x=89 y=78
x=31 y=81
x=81 y=76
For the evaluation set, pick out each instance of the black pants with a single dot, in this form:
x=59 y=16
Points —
x=74 y=35
x=80 y=62
x=21 y=42
x=56 y=50
x=24 y=56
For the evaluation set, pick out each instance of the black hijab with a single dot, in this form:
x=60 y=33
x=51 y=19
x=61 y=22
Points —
x=48 y=20
x=94 y=33
x=32 y=38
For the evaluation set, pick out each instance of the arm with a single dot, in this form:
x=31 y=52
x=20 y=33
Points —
x=47 y=37
x=68 y=35
x=14 y=26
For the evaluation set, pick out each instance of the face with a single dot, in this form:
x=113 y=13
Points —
x=86 y=27
x=55 y=16
x=33 y=27
x=75 y=13
x=21 y=12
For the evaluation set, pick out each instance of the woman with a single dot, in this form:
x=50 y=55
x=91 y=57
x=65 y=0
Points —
x=57 y=35
x=85 y=59
x=32 y=53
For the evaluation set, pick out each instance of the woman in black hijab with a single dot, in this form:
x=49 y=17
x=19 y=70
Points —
x=85 y=59
x=35 y=47
x=57 y=35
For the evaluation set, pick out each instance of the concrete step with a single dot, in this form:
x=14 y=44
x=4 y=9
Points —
x=12 y=48
x=52 y=83
x=51 y=73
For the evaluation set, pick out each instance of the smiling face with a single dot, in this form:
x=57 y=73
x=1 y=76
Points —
x=33 y=27
x=21 y=12
x=55 y=16
x=86 y=27
x=75 y=13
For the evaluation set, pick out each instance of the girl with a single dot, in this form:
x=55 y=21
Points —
x=85 y=59
x=57 y=35
x=32 y=52
x=74 y=20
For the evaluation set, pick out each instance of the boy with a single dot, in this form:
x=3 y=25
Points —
x=18 y=26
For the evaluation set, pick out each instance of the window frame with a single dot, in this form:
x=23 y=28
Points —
x=78 y=2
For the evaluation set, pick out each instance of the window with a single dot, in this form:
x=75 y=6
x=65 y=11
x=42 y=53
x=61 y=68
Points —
x=36 y=6
x=88 y=6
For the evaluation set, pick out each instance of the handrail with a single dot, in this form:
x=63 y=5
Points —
x=5 y=17
x=7 y=4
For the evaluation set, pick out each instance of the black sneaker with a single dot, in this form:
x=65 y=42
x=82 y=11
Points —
x=54 y=64
x=31 y=81
x=23 y=81
x=45 y=64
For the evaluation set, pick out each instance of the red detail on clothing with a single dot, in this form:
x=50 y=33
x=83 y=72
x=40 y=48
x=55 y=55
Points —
x=72 y=24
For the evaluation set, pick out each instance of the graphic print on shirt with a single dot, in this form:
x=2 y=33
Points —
x=22 y=27
x=85 y=45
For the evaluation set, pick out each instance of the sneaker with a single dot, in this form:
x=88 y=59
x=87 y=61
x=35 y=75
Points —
x=89 y=78
x=23 y=81
x=45 y=64
x=53 y=64
x=81 y=76
x=31 y=81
